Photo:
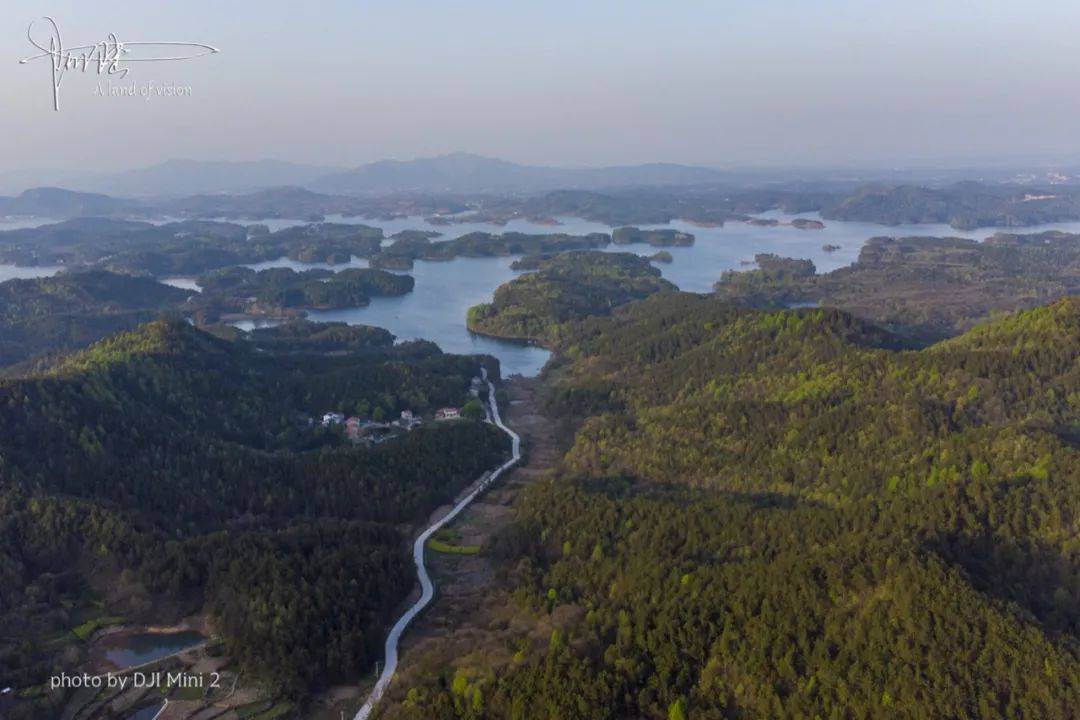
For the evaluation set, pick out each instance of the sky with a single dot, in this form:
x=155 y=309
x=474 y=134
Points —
x=574 y=83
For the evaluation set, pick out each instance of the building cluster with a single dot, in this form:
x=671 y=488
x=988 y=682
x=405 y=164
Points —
x=370 y=432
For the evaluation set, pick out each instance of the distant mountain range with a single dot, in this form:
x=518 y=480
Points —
x=465 y=173
x=455 y=173
x=173 y=178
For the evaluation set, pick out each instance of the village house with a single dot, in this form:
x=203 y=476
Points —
x=332 y=418
x=447 y=413
x=408 y=420
x=353 y=428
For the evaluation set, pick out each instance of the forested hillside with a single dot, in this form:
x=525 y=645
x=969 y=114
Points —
x=924 y=288
x=565 y=287
x=72 y=310
x=187 y=247
x=168 y=471
x=283 y=291
x=777 y=515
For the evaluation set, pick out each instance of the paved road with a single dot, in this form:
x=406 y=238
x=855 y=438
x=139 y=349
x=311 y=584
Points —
x=427 y=587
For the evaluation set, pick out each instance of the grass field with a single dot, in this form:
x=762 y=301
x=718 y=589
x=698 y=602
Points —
x=445 y=547
x=85 y=631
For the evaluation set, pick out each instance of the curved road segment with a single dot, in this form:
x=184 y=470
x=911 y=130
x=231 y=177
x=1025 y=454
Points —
x=427 y=587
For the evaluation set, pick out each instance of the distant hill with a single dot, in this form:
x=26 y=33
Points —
x=463 y=172
x=286 y=201
x=188 y=177
x=72 y=310
x=60 y=203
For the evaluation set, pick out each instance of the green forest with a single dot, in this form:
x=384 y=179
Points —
x=167 y=471
x=186 y=247
x=280 y=291
x=924 y=289
x=564 y=288
x=778 y=514
x=72 y=310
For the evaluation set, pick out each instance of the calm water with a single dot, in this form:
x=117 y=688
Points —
x=286 y=262
x=19 y=223
x=128 y=650
x=184 y=283
x=436 y=309
x=11 y=272
x=444 y=291
x=14 y=272
x=574 y=226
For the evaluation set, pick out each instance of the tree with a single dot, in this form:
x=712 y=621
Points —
x=473 y=410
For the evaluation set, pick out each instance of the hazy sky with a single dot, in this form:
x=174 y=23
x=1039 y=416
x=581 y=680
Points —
x=567 y=82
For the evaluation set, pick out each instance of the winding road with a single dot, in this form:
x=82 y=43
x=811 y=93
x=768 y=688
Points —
x=427 y=587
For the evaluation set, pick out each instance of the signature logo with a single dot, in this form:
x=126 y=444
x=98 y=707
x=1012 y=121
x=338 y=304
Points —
x=108 y=57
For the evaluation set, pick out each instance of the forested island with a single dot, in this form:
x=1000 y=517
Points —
x=964 y=205
x=564 y=288
x=799 y=223
x=283 y=292
x=181 y=248
x=658 y=238
x=923 y=288
x=196 y=247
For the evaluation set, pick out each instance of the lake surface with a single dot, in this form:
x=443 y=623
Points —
x=184 y=283
x=15 y=272
x=125 y=651
x=20 y=223
x=444 y=291
x=436 y=308
x=570 y=225
x=286 y=262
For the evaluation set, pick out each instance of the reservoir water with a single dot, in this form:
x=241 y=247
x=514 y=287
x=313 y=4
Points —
x=126 y=651
x=436 y=308
x=16 y=272
x=444 y=291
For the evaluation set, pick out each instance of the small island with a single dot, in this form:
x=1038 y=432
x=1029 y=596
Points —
x=797 y=223
x=922 y=289
x=662 y=257
x=658 y=238
x=283 y=293
x=567 y=287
